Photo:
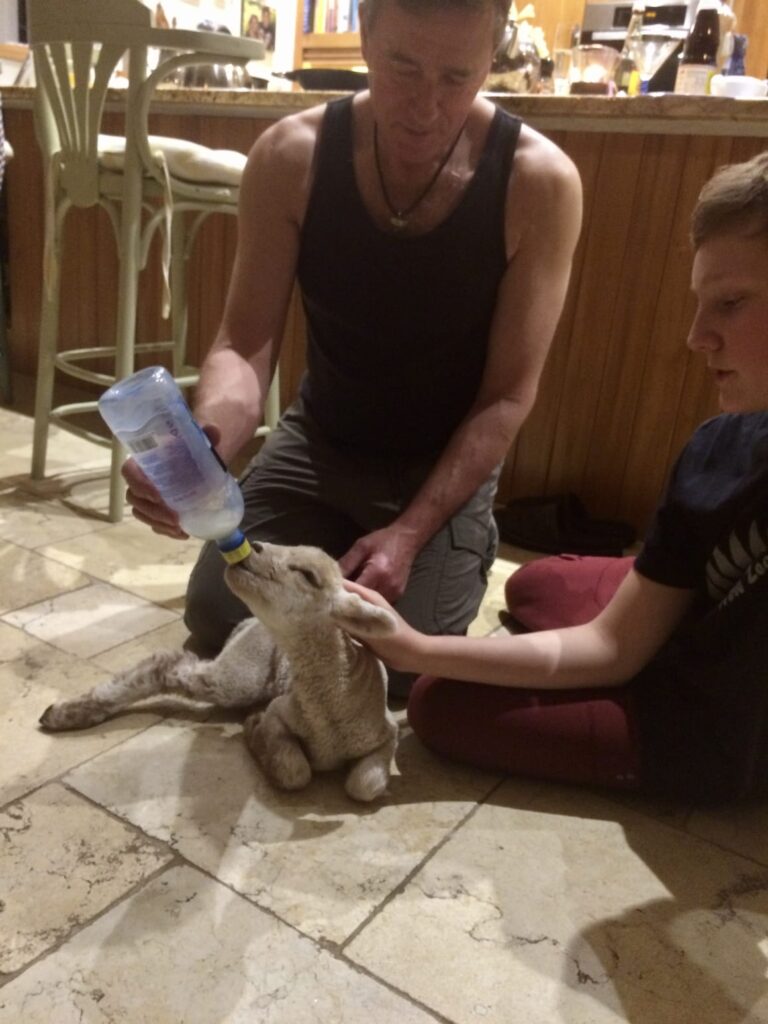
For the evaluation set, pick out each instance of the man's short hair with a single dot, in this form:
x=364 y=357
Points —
x=500 y=10
x=734 y=200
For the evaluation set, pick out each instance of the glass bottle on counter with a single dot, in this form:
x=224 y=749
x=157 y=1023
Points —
x=546 y=80
x=698 y=62
x=627 y=75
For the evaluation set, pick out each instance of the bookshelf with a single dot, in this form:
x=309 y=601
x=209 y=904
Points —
x=327 y=34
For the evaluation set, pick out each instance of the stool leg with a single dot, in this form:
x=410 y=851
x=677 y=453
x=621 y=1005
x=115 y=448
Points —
x=116 y=484
x=6 y=390
x=49 y=329
x=178 y=277
x=6 y=387
x=127 y=298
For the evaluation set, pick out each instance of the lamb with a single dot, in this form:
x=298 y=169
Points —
x=326 y=692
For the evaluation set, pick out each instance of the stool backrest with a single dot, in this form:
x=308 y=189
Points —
x=77 y=46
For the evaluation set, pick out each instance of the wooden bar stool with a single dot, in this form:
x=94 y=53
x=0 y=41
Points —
x=145 y=183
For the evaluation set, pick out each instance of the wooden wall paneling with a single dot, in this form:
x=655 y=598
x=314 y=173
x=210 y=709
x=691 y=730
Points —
x=527 y=468
x=656 y=390
x=670 y=363
x=70 y=282
x=604 y=242
x=105 y=280
x=635 y=281
x=24 y=182
x=83 y=257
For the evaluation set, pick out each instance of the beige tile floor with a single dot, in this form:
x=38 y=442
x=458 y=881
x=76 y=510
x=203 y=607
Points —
x=149 y=874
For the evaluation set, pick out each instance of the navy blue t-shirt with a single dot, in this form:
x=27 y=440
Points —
x=702 y=701
x=710 y=531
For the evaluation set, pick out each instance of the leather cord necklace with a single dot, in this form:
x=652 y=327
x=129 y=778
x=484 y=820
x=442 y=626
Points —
x=398 y=218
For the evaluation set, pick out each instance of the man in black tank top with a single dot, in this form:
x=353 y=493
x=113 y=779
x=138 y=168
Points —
x=431 y=236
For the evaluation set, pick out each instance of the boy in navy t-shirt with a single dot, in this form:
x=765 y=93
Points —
x=666 y=688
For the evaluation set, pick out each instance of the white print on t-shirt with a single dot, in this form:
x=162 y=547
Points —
x=735 y=566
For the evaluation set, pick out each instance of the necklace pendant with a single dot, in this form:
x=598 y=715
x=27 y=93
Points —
x=398 y=222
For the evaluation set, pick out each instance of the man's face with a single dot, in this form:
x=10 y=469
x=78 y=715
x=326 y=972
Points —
x=424 y=71
x=730 y=281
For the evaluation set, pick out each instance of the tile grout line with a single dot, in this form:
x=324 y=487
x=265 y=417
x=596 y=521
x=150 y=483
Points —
x=403 y=884
x=5 y=979
x=60 y=778
x=178 y=859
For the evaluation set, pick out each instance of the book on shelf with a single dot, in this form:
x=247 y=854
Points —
x=308 y=22
x=321 y=16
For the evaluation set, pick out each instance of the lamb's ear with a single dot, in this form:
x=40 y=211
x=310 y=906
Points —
x=360 y=617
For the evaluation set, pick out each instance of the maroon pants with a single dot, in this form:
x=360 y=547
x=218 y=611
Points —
x=583 y=736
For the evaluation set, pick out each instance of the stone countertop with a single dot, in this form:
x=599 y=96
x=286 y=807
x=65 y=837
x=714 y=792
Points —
x=659 y=114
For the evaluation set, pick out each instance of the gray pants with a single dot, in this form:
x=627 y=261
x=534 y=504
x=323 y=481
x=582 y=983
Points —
x=299 y=489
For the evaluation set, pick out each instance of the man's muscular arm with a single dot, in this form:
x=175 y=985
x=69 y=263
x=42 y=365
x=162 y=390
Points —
x=236 y=373
x=543 y=219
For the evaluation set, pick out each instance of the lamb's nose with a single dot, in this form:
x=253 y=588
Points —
x=255 y=546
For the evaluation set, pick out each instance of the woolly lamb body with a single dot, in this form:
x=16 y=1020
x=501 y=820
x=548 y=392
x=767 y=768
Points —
x=325 y=693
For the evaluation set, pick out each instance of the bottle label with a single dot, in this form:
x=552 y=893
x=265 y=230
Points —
x=164 y=452
x=694 y=79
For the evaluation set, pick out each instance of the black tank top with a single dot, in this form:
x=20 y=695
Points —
x=398 y=326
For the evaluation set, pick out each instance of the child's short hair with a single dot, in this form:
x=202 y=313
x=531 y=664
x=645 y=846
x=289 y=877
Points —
x=734 y=199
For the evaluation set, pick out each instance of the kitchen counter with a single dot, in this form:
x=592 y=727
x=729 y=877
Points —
x=660 y=114
x=620 y=393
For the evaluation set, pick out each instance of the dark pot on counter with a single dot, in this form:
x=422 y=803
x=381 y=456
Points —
x=327 y=79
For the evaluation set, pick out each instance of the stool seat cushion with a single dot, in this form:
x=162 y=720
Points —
x=186 y=160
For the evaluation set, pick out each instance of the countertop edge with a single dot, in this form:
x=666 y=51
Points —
x=660 y=114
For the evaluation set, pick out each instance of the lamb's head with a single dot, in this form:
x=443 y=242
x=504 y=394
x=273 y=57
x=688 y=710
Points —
x=283 y=586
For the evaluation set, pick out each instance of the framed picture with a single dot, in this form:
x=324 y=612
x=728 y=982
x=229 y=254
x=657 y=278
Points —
x=259 y=21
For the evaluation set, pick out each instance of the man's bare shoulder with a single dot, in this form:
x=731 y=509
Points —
x=540 y=164
x=278 y=175
x=289 y=143
x=544 y=201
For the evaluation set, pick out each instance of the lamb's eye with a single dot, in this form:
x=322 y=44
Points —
x=308 y=575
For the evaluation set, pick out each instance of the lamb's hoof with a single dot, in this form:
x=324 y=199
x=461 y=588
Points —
x=287 y=767
x=367 y=784
x=72 y=714
x=292 y=783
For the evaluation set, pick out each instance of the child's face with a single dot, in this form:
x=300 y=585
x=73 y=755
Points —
x=730 y=282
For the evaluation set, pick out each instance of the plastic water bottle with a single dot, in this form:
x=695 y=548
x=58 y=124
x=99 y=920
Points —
x=148 y=414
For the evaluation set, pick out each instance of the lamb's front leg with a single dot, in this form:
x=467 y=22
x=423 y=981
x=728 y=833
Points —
x=159 y=673
x=276 y=750
x=368 y=778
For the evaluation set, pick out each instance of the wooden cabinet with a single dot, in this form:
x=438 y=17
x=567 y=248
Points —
x=329 y=50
